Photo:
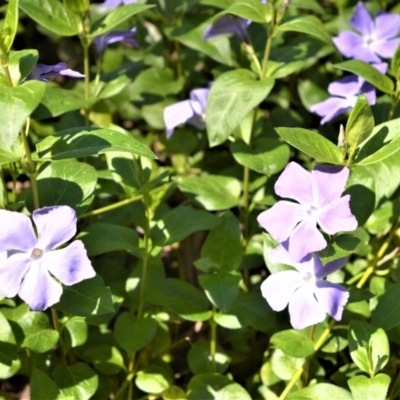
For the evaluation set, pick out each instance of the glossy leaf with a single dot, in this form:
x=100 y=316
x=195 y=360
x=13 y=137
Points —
x=232 y=96
x=387 y=312
x=8 y=348
x=200 y=359
x=293 y=343
x=252 y=10
x=321 y=391
x=42 y=386
x=9 y=28
x=363 y=388
x=385 y=151
x=78 y=331
x=154 y=379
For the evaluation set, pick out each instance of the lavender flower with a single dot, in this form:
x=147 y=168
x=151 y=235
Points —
x=33 y=264
x=102 y=41
x=318 y=193
x=376 y=38
x=190 y=111
x=116 y=3
x=43 y=72
x=309 y=297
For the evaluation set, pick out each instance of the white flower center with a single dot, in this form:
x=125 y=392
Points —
x=36 y=254
x=309 y=278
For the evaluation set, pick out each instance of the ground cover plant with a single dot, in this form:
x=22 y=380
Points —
x=199 y=199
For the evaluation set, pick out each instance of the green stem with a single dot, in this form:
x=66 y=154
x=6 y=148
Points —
x=268 y=44
x=110 y=207
x=213 y=340
x=86 y=69
x=58 y=329
x=4 y=63
x=3 y=182
x=395 y=101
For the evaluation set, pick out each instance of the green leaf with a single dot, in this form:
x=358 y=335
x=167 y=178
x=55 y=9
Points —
x=265 y=156
x=83 y=142
x=374 y=388
x=100 y=238
x=232 y=96
x=78 y=380
x=116 y=17
x=17 y=104
x=213 y=192
x=308 y=24
x=369 y=73
x=57 y=101
x=224 y=244
x=65 y=183
x=42 y=386
x=8 y=348
x=360 y=123
x=312 y=144
x=77 y=6
x=12 y=154
x=154 y=379
x=387 y=313
x=369 y=346
x=105 y=358
x=215 y=387
x=39 y=336
x=200 y=359
x=9 y=28
x=181 y=297
x=321 y=391
x=89 y=297
x=221 y=288
x=133 y=333
x=181 y=222
x=20 y=65
x=293 y=343
x=78 y=330
x=384 y=152
x=395 y=64
x=253 y=10
x=52 y=15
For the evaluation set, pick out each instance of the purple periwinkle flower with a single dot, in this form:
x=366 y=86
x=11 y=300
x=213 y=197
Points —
x=344 y=96
x=43 y=72
x=377 y=39
x=34 y=266
x=191 y=111
x=102 y=41
x=309 y=296
x=319 y=202
x=116 y=3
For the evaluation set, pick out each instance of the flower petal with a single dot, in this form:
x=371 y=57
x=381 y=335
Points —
x=70 y=265
x=330 y=183
x=349 y=85
x=225 y=25
x=16 y=232
x=369 y=92
x=321 y=271
x=39 y=290
x=55 y=226
x=199 y=99
x=281 y=219
x=331 y=108
x=295 y=183
x=12 y=271
x=332 y=298
x=347 y=42
x=337 y=217
x=305 y=239
x=177 y=114
x=385 y=48
x=278 y=288
x=362 y=20
x=387 y=25
x=304 y=309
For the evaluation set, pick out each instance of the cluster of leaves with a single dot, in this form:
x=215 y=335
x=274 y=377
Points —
x=175 y=310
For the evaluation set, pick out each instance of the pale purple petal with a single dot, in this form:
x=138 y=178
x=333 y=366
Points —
x=385 y=48
x=199 y=99
x=39 y=290
x=305 y=239
x=331 y=108
x=116 y=3
x=381 y=67
x=278 y=288
x=281 y=255
x=71 y=73
x=102 y=41
x=55 y=226
x=332 y=298
x=197 y=122
x=345 y=87
x=69 y=265
x=12 y=271
x=225 y=25
x=304 y=309
x=330 y=183
x=43 y=72
x=369 y=92
x=177 y=114
x=295 y=183
x=281 y=219
x=362 y=20
x=321 y=271
x=347 y=42
x=337 y=217
x=387 y=25
x=16 y=231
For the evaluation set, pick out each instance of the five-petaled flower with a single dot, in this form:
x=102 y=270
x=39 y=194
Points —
x=102 y=41
x=33 y=266
x=191 y=111
x=43 y=72
x=116 y=3
x=377 y=40
x=319 y=202
x=309 y=297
